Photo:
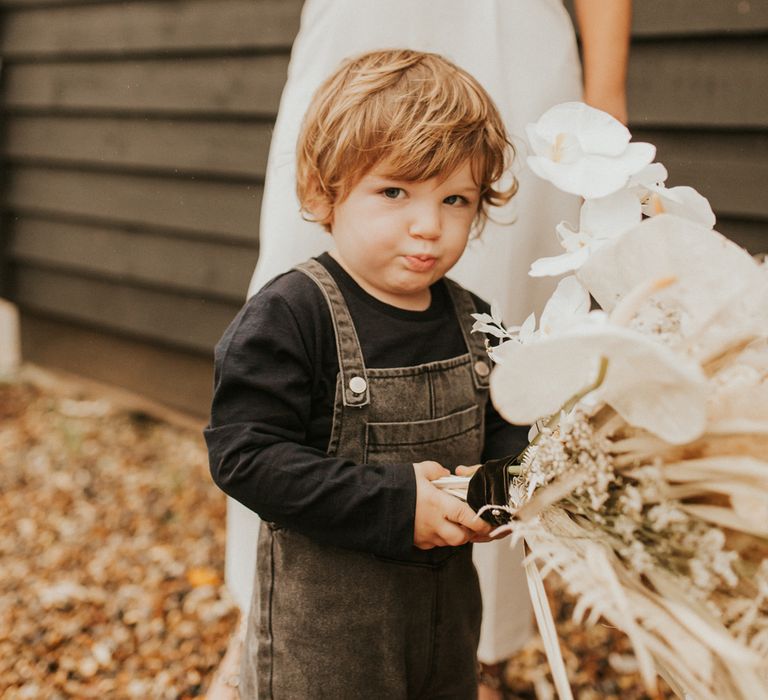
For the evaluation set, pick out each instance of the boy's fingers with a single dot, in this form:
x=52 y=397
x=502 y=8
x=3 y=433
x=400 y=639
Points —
x=435 y=540
x=462 y=514
x=480 y=539
x=487 y=538
x=431 y=470
x=454 y=535
x=467 y=471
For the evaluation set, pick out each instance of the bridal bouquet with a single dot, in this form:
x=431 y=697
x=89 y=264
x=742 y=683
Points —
x=646 y=487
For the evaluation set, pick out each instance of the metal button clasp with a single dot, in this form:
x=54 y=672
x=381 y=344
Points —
x=482 y=369
x=358 y=385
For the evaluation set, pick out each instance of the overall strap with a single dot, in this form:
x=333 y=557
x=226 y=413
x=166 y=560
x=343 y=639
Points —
x=354 y=380
x=465 y=306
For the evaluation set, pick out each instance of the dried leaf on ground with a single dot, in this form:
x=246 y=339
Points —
x=112 y=555
x=112 y=552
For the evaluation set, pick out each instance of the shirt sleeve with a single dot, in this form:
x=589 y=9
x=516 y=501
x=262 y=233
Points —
x=264 y=374
x=502 y=439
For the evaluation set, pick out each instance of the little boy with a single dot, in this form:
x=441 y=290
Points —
x=345 y=386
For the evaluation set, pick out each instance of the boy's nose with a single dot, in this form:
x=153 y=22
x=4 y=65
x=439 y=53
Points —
x=425 y=223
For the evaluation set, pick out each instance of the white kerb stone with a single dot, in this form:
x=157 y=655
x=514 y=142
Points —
x=10 y=344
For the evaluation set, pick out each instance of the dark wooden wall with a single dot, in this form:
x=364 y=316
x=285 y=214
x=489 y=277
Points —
x=134 y=143
x=698 y=89
x=135 y=138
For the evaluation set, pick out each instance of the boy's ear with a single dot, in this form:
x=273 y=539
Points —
x=316 y=204
x=320 y=210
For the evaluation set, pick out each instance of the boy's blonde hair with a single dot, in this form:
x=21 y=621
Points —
x=417 y=111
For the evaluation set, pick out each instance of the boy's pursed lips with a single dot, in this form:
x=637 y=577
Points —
x=420 y=263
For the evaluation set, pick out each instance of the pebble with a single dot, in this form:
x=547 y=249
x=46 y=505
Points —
x=88 y=667
x=102 y=654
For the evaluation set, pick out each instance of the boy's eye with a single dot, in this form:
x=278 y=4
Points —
x=392 y=192
x=455 y=199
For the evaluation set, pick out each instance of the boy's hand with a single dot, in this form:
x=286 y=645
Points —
x=467 y=471
x=442 y=520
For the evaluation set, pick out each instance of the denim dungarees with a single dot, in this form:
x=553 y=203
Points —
x=336 y=624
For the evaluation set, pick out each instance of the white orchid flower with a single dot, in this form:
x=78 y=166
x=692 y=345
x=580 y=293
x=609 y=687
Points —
x=721 y=294
x=600 y=220
x=739 y=398
x=527 y=331
x=646 y=383
x=681 y=201
x=585 y=151
x=568 y=304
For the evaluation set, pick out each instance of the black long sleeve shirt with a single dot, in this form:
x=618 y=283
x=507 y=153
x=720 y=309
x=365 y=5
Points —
x=274 y=388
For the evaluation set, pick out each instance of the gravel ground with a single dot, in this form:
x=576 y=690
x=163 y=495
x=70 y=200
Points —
x=599 y=661
x=112 y=555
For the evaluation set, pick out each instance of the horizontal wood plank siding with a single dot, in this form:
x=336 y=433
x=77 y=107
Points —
x=180 y=379
x=208 y=209
x=698 y=90
x=188 y=322
x=243 y=86
x=728 y=168
x=715 y=82
x=188 y=26
x=45 y=4
x=193 y=146
x=202 y=266
x=752 y=235
x=685 y=18
x=135 y=140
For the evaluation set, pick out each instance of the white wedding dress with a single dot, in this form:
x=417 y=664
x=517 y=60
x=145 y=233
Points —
x=524 y=53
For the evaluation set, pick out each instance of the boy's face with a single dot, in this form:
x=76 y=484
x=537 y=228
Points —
x=396 y=238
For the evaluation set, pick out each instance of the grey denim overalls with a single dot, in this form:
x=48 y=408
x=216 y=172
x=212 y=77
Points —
x=335 y=624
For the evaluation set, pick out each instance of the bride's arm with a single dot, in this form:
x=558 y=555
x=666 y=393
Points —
x=604 y=27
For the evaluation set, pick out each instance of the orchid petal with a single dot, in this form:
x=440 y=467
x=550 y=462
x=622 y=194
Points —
x=558 y=264
x=653 y=174
x=597 y=131
x=710 y=268
x=609 y=216
x=739 y=409
x=637 y=156
x=568 y=302
x=564 y=231
x=585 y=151
x=650 y=386
x=539 y=145
x=587 y=177
x=594 y=176
x=527 y=329
x=682 y=201
x=741 y=317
